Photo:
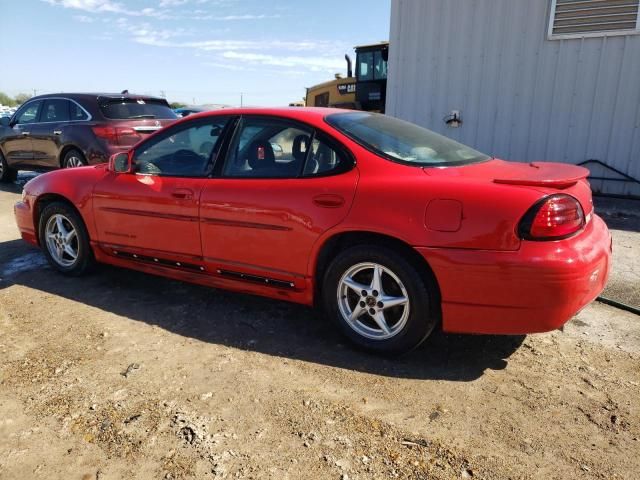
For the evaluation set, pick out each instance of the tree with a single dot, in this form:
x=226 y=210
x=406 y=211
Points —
x=6 y=100
x=175 y=105
x=22 y=97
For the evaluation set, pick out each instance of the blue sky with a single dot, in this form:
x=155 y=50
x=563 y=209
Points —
x=204 y=50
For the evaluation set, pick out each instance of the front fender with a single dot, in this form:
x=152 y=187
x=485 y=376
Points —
x=72 y=185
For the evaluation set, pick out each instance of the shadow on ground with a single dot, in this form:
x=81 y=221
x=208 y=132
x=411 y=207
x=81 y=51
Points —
x=619 y=214
x=247 y=322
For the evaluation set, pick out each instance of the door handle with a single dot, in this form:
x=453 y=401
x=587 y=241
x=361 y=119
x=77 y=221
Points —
x=57 y=132
x=328 y=200
x=25 y=133
x=182 y=193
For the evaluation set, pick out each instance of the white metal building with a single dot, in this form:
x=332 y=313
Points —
x=555 y=80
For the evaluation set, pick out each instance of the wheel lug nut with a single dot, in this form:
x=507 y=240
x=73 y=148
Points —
x=362 y=304
x=380 y=305
x=375 y=293
x=372 y=311
x=364 y=293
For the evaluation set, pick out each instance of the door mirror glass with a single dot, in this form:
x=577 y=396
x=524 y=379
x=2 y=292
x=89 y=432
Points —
x=5 y=121
x=119 y=162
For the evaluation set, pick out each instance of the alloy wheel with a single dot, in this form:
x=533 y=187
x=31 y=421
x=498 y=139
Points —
x=74 y=161
x=62 y=240
x=373 y=301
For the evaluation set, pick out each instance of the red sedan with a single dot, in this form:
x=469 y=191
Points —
x=393 y=229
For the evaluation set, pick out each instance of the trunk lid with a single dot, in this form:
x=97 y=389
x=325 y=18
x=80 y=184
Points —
x=547 y=177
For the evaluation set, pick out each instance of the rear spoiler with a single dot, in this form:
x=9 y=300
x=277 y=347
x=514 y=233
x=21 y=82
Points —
x=562 y=176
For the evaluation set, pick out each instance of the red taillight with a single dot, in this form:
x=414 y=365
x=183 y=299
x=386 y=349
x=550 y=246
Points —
x=553 y=218
x=117 y=135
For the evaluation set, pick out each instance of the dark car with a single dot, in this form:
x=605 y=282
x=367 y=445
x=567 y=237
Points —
x=186 y=111
x=74 y=129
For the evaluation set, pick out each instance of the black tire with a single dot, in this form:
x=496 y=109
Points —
x=74 y=158
x=84 y=260
x=7 y=174
x=422 y=308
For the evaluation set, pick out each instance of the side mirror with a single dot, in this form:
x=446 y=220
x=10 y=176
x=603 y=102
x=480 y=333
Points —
x=5 y=121
x=119 y=163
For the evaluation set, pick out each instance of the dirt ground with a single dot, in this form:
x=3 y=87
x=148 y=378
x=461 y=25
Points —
x=123 y=375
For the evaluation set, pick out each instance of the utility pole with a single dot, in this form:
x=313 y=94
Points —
x=35 y=92
x=241 y=100
x=163 y=94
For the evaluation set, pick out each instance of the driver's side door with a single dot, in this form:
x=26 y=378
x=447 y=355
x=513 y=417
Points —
x=16 y=139
x=153 y=211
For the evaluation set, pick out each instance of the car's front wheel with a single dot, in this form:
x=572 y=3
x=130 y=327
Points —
x=7 y=174
x=379 y=299
x=64 y=239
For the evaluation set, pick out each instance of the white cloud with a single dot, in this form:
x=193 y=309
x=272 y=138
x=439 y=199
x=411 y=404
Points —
x=143 y=31
x=227 y=66
x=83 y=18
x=313 y=63
x=227 y=18
x=223 y=45
x=106 y=6
x=172 y=3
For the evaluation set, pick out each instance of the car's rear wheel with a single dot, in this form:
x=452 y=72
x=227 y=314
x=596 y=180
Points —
x=64 y=239
x=7 y=174
x=380 y=301
x=73 y=158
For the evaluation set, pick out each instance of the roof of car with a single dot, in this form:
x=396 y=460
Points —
x=290 y=112
x=93 y=95
x=314 y=115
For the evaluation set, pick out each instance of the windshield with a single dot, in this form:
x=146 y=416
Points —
x=402 y=141
x=136 y=108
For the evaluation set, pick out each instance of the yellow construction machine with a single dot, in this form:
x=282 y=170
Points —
x=366 y=91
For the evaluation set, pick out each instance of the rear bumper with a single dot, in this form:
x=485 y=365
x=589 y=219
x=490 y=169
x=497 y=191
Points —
x=99 y=152
x=24 y=221
x=535 y=289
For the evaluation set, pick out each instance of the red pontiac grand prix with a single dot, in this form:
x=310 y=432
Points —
x=393 y=229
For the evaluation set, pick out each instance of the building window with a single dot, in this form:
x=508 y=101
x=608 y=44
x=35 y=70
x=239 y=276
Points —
x=321 y=100
x=593 y=18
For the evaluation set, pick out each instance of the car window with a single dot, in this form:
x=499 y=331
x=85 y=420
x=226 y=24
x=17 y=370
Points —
x=187 y=150
x=402 y=141
x=55 y=110
x=132 y=108
x=379 y=66
x=323 y=159
x=29 y=114
x=267 y=148
x=365 y=64
x=77 y=113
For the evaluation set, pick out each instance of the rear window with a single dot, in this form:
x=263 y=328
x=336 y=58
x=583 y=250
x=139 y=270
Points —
x=402 y=141
x=133 y=108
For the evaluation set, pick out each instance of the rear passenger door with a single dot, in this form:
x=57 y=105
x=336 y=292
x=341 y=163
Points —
x=46 y=134
x=283 y=184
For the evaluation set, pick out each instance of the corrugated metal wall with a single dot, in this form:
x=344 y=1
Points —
x=522 y=97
